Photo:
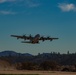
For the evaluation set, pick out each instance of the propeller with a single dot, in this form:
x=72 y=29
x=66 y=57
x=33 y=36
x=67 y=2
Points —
x=48 y=37
x=30 y=35
x=24 y=36
x=17 y=38
x=42 y=38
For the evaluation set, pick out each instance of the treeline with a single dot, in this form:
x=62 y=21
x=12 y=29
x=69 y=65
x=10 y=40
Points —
x=46 y=61
x=46 y=65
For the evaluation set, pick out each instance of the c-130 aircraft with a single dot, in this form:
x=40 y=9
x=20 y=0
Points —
x=33 y=39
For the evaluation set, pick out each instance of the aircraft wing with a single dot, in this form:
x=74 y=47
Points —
x=47 y=38
x=22 y=37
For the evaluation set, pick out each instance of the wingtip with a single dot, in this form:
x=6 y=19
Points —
x=11 y=35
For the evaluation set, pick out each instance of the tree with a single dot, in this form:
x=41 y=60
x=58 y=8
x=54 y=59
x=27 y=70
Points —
x=48 y=65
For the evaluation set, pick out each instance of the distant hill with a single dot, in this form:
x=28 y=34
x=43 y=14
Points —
x=13 y=53
x=14 y=57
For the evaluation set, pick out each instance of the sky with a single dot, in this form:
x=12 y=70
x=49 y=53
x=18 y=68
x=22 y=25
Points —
x=54 y=18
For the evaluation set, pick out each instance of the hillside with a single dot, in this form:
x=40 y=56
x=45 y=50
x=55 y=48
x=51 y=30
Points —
x=13 y=53
x=19 y=57
x=21 y=61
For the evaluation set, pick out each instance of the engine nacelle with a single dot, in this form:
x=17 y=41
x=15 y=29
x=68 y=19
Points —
x=51 y=39
x=17 y=38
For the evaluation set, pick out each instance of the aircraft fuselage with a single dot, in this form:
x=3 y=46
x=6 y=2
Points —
x=33 y=40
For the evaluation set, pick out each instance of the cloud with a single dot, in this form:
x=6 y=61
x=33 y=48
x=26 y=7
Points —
x=2 y=1
x=32 y=3
x=7 y=12
x=66 y=7
x=18 y=4
x=29 y=3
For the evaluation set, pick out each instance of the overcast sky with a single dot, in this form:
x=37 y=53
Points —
x=55 y=18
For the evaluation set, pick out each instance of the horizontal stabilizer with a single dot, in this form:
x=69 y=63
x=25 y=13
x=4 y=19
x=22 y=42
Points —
x=26 y=42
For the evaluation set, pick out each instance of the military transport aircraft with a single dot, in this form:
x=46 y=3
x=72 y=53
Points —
x=33 y=39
